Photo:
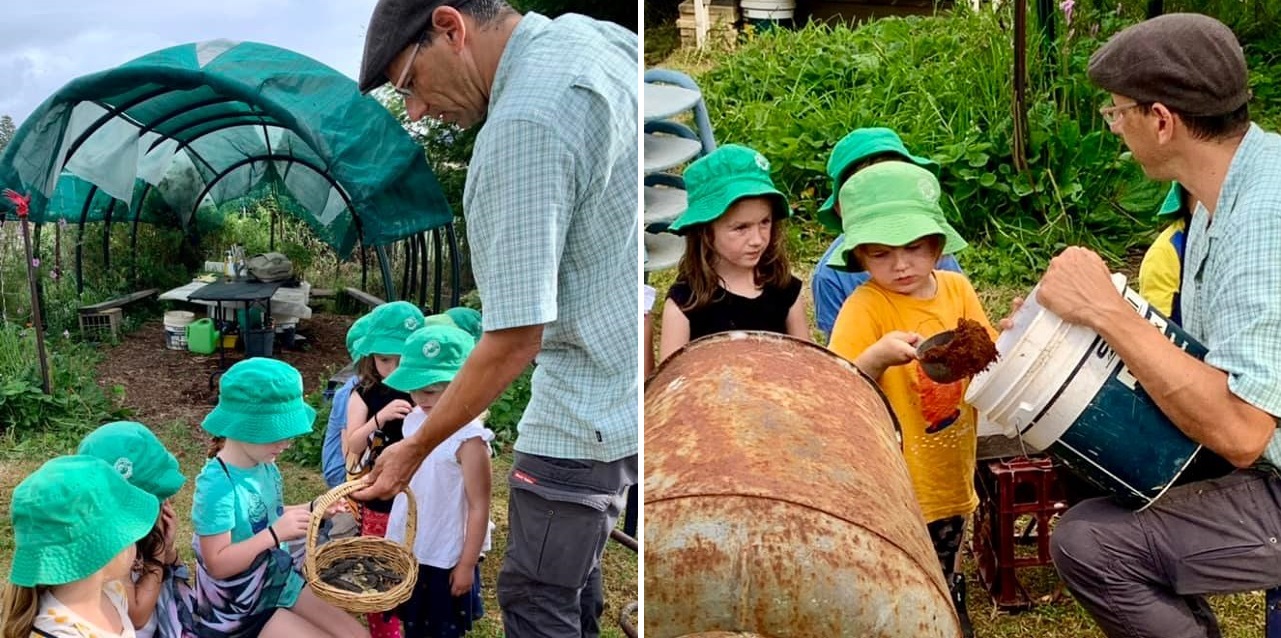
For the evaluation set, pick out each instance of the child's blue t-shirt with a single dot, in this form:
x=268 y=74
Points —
x=243 y=501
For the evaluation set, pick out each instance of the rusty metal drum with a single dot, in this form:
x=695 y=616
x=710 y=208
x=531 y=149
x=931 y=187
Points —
x=777 y=502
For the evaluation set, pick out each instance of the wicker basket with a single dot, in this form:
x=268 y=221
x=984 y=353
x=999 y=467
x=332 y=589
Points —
x=399 y=557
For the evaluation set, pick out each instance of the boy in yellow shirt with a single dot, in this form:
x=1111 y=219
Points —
x=1161 y=272
x=895 y=230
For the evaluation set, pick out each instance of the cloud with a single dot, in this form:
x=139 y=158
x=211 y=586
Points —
x=48 y=43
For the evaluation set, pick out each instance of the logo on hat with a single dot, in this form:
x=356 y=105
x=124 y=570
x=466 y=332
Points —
x=125 y=467
x=929 y=188
x=761 y=162
x=431 y=349
x=411 y=323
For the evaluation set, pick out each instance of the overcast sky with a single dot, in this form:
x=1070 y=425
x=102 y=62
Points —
x=47 y=43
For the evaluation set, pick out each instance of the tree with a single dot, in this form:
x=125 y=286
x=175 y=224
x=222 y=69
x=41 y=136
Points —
x=7 y=130
x=622 y=13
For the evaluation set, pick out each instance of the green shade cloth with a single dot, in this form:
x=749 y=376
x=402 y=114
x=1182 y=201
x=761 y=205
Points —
x=212 y=123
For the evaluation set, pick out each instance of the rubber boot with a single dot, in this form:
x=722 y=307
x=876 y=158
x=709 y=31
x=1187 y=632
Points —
x=957 y=588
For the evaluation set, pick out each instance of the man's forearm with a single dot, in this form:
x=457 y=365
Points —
x=498 y=359
x=1192 y=393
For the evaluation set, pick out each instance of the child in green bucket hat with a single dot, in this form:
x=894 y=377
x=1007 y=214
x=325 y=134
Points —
x=467 y=319
x=333 y=455
x=452 y=488
x=247 y=583
x=161 y=599
x=375 y=413
x=1161 y=271
x=734 y=274
x=895 y=230
x=859 y=149
x=76 y=521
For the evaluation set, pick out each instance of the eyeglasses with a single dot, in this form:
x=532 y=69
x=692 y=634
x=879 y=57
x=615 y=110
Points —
x=399 y=86
x=1111 y=114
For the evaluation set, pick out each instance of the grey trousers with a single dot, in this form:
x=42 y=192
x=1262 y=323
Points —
x=560 y=513
x=1145 y=574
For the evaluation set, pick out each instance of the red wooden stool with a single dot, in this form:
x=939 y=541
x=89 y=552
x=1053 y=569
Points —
x=1009 y=489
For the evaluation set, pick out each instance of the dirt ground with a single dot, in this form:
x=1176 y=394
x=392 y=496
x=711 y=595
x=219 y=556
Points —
x=163 y=385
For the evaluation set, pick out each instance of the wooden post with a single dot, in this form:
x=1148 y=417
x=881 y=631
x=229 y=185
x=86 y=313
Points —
x=21 y=203
x=701 y=23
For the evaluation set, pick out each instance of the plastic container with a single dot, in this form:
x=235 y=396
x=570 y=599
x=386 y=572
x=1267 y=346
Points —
x=259 y=342
x=250 y=319
x=176 y=322
x=1064 y=390
x=202 y=336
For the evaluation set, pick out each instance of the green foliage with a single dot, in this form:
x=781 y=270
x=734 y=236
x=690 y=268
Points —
x=76 y=404
x=505 y=412
x=307 y=450
x=944 y=84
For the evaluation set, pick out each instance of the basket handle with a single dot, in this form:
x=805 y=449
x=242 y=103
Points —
x=327 y=500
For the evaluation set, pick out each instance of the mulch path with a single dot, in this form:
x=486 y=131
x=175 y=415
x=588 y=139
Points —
x=162 y=385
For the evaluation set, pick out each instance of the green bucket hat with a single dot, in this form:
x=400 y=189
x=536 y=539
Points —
x=714 y=182
x=71 y=517
x=432 y=355
x=355 y=333
x=389 y=325
x=855 y=147
x=441 y=319
x=135 y=452
x=260 y=401
x=895 y=204
x=468 y=319
x=1173 y=203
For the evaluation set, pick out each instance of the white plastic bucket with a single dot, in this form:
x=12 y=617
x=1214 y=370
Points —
x=768 y=9
x=1066 y=393
x=176 y=328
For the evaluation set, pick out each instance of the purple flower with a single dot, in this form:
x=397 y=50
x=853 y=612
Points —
x=1066 y=7
x=35 y=262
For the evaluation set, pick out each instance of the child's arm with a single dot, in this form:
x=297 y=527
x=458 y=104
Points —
x=359 y=424
x=143 y=594
x=224 y=559
x=675 y=330
x=797 y=324
x=473 y=455
x=862 y=340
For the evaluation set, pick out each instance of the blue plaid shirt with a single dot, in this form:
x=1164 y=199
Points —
x=553 y=224
x=1231 y=295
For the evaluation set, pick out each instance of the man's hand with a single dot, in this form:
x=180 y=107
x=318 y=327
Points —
x=392 y=471
x=1078 y=288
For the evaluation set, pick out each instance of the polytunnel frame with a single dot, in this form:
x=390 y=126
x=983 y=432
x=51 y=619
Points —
x=232 y=92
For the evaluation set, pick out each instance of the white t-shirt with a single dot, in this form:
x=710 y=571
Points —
x=57 y=620
x=442 y=502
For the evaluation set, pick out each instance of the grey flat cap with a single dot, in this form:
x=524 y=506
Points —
x=1186 y=61
x=395 y=25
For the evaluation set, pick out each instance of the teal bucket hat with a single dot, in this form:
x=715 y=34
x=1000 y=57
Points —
x=894 y=204
x=714 y=182
x=135 y=452
x=432 y=355
x=355 y=333
x=855 y=147
x=1173 y=204
x=389 y=326
x=260 y=401
x=71 y=517
x=468 y=319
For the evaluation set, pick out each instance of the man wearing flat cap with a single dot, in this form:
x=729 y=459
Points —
x=552 y=225
x=1179 y=102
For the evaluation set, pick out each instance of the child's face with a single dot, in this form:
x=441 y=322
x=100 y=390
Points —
x=426 y=398
x=386 y=364
x=266 y=452
x=907 y=270
x=742 y=234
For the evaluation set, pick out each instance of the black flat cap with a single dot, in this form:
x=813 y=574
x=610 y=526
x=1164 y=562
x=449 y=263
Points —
x=395 y=25
x=1189 y=62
